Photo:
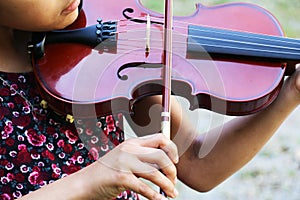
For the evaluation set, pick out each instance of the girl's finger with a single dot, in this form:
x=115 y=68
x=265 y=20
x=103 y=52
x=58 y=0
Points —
x=160 y=141
x=150 y=173
x=159 y=159
x=142 y=188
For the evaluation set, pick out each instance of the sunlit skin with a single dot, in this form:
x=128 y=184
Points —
x=37 y=15
x=112 y=174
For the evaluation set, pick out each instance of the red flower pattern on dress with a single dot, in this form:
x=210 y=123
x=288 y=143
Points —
x=23 y=157
x=71 y=136
x=21 y=121
x=37 y=149
x=34 y=138
x=34 y=178
x=10 y=142
x=94 y=153
x=3 y=111
x=68 y=148
x=4 y=92
x=47 y=154
x=20 y=177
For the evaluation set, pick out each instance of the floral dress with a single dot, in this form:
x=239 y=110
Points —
x=37 y=147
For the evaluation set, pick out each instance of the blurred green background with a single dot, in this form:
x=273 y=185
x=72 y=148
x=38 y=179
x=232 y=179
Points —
x=274 y=174
x=286 y=11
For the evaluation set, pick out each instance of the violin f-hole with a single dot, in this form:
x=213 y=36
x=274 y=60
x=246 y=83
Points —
x=131 y=10
x=136 y=65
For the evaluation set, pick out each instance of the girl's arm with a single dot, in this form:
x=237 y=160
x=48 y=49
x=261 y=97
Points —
x=208 y=159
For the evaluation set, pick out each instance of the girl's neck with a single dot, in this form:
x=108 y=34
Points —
x=13 y=51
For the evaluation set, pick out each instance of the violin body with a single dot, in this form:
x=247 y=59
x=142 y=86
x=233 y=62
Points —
x=82 y=80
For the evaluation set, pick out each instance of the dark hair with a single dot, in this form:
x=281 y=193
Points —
x=80 y=5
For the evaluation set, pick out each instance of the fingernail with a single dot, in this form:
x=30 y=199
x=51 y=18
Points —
x=175 y=192
x=163 y=198
x=175 y=159
x=175 y=180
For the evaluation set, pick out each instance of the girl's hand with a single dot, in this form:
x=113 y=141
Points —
x=297 y=81
x=291 y=90
x=121 y=168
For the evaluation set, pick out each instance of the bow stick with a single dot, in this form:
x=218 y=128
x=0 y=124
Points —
x=167 y=63
x=167 y=69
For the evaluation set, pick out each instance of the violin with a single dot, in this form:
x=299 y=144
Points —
x=223 y=58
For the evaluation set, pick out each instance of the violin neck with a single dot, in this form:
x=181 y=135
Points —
x=221 y=44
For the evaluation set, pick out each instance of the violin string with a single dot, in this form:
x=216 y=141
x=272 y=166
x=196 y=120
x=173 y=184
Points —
x=129 y=50
x=234 y=33
x=123 y=42
x=238 y=33
x=249 y=49
x=242 y=42
x=250 y=36
x=222 y=39
x=251 y=39
x=248 y=42
x=124 y=49
x=188 y=24
x=124 y=46
x=216 y=39
x=154 y=42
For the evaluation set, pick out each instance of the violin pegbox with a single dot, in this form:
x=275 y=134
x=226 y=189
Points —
x=106 y=36
x=91 y=36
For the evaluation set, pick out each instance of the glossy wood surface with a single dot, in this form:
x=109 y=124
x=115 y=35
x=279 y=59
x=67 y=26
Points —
x=77 y=79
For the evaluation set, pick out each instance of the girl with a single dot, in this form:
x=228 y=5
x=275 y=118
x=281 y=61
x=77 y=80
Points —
x=42 y=157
